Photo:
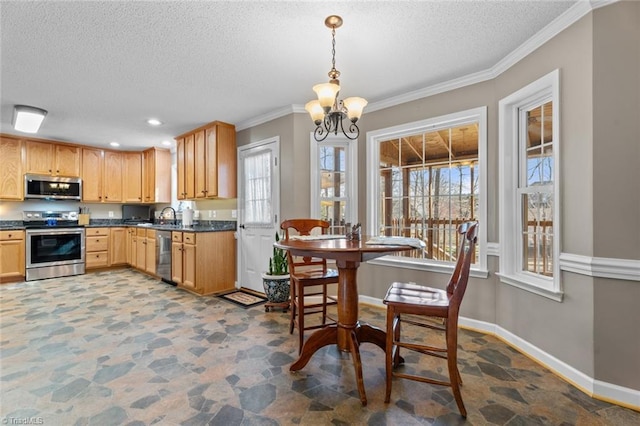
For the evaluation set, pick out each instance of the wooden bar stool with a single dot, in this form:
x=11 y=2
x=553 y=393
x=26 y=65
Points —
x=309 y=280
x=421 y=301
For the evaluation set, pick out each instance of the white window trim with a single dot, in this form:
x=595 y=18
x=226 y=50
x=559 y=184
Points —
x=373 y=189
x=510 y=237
x=351 y=153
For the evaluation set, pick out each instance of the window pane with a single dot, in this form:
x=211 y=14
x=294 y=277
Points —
x=257 y=178
x=429 y=185
x=537 y=233
x=534 y=127
x=332 y=158
x=332 y=184
x=335 y=213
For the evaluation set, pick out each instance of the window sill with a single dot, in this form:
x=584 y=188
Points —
x=524 y=285
x=427 y=267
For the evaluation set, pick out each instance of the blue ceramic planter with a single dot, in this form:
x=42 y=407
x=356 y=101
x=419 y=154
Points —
x=276 y=287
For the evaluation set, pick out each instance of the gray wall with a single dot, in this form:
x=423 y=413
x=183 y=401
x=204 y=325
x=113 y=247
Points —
x=595 y=328
x=616 y=197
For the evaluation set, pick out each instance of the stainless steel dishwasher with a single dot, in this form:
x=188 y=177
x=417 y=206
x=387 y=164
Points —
x=163 y=256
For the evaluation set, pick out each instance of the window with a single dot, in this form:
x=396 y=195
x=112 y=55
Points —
x=529 y=130
x=424 y=179
x=333 y=182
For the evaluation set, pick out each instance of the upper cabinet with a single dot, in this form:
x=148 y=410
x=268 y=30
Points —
x=207 y=162
x=46 y=158
x=102 y=178
x=11 y=184
x=156 y=176
x=132 y=177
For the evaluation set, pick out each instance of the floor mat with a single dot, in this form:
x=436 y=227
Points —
x=243 y=298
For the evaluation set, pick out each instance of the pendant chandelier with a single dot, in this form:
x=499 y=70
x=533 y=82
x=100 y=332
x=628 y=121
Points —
x=328 y=112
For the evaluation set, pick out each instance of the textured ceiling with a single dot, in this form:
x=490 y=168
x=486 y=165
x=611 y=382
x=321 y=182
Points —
x=102 y=68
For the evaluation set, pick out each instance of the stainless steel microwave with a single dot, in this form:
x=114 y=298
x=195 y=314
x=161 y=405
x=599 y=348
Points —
x=52 y=187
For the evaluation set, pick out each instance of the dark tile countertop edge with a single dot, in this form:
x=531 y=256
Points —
x=200 y=226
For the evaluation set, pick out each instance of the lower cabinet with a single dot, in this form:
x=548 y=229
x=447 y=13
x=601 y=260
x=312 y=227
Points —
x=97 y=248
x=144 y=256
x=118 y=246
x=12 y=255
x=203 y=262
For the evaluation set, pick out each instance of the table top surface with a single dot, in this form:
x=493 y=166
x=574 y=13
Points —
x=334 y=247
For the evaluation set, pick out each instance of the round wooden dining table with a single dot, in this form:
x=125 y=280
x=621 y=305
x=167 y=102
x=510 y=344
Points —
x=348 y=333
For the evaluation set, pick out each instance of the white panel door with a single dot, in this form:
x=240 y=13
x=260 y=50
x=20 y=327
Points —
x=259 y=209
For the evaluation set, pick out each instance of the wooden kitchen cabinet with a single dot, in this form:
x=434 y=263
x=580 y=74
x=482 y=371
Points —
x=156 y=176
x=97 y=248
x=185 y=162
x=102 y=178
x=132 y=177
x=221 y=165
x=192 y=267
x=131 y=246
x=45 y=158
x=207 y=163
x=145 y=250
x=12 y=255
x=118 y=246
x=11 y=180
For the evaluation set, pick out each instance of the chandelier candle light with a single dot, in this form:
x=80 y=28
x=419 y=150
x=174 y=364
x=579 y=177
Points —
x=327 y=112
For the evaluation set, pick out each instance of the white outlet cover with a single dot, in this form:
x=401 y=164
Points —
x=234 y=214
x=110 y=214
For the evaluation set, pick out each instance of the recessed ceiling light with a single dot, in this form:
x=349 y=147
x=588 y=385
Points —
x=114 y=144
x=154 y=122
x=166 y=143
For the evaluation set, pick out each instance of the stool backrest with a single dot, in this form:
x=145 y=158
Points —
x=304 y=227
x=468 y=234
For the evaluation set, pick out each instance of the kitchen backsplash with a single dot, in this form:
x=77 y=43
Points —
x=213 y=209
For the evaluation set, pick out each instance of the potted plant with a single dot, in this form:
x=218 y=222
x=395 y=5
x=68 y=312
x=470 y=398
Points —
x=276 y=280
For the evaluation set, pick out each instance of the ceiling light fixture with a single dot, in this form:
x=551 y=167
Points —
x=114 y=144
x=27 y=118
x=154 y=122
x=166 y=143
x=328 y=112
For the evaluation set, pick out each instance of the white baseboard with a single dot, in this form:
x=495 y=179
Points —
x=609 y=392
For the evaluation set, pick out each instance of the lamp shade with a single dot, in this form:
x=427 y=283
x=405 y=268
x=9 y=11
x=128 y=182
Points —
x=315 y=111
x=327 y=93
x=27 y=118
x=354 y=107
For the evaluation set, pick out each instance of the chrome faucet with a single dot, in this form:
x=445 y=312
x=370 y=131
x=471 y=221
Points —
x=175 y=220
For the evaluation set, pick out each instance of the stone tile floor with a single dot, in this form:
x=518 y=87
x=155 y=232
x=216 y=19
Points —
x=120 y=348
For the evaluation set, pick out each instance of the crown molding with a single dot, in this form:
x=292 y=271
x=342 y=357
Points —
x=569 y=17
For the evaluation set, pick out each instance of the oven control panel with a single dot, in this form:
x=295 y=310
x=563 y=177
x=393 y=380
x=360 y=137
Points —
x=29 y=216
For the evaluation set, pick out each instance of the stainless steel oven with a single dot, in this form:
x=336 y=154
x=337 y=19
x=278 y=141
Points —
x=54 y=248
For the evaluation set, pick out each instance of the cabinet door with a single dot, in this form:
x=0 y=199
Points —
x=11 y=254
x=176 y=263
x=11 y=181
x=132 y=247
x=181 y=169
x=226 y=161
x=67 y=160
x=189 y=176
x=201 y=162
x=92 y=175
x=189 y=266
x=150 y=261
x=39 y=157
x=141 y=252
x=148 y=171
x=212 y=161
x=112 y=183
x=132 y=180
x=118 y=246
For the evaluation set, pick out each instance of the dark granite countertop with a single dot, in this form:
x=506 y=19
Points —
x=204 y=226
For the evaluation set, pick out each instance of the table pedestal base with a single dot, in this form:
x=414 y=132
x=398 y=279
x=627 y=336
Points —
x=354 y=336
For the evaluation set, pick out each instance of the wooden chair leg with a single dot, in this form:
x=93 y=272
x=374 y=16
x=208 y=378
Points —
x=300 y=291
x=294 y=305
x=452 y=363
x=388 y=363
